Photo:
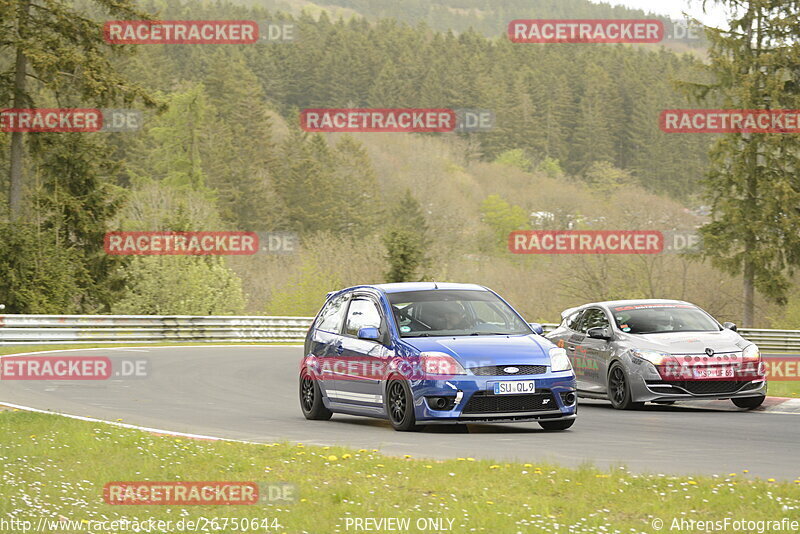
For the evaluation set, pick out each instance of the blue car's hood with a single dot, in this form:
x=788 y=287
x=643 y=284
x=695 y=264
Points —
x=477 y=351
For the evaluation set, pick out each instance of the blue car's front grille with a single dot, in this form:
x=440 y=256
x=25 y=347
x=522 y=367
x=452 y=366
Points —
x=485 y=402
x=499 y=370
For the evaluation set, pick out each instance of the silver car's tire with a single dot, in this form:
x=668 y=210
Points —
x=749 y=402
x=619 y=389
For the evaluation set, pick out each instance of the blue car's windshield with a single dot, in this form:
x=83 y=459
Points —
x=659 y=318
x=443 y=312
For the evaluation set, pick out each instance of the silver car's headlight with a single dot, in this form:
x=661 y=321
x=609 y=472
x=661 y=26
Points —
x=751 y=353
x=559 y=360
x=653 y=356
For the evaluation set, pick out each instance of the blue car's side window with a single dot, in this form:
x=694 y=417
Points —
x=363 y=313
x=332 y=315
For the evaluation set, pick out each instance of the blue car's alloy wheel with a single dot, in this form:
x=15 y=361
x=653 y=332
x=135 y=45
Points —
x=400 y=406
x=311 y=399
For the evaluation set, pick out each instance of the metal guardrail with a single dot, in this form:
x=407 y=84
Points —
x=79 y=329
x=787 y=341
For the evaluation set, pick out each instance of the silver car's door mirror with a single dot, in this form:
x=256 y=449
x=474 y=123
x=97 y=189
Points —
x=599 y=332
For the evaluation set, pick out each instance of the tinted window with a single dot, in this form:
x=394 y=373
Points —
x=331 y=316
x=443 y=312
x=657 y=318
x=573 y=320
x=593 y=318
x=363 y=312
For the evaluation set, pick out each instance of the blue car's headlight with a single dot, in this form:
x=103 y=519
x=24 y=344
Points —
x=559 y=360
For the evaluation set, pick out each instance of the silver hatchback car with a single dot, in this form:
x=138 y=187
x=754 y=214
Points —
x=637 y=351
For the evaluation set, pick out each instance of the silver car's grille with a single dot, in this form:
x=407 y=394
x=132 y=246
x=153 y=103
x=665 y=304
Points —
x=700 y=387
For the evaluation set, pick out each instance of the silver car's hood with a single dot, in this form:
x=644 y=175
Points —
x=686 y=342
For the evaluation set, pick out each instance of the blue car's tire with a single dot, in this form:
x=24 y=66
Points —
x=311 y=399
x=557 y=425
x=399 y=405
x=619 y=389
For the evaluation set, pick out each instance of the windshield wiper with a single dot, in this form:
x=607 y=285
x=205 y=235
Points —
x=490 y=334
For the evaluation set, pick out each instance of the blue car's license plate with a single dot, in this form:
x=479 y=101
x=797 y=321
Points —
x=514 y=387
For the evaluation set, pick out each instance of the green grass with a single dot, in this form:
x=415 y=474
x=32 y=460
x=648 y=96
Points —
x=56 y=466
x=789 y=388
x=15 y=349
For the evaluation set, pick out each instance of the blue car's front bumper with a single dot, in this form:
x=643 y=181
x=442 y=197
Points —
x=551 y=389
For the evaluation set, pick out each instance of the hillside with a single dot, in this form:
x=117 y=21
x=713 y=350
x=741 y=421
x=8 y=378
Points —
x=576 y=137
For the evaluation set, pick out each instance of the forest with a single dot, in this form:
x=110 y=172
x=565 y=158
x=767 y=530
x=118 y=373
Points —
x=576 y=137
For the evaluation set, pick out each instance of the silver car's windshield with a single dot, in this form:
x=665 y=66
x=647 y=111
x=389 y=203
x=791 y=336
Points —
x=454 y=313
x=658 y=318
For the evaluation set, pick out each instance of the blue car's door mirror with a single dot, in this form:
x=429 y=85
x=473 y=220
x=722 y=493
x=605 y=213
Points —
x=539 y=329
x=369 y=333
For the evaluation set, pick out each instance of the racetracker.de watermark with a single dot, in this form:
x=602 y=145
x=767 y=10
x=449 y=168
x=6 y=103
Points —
x=69 y=120
x=602 y=241
x=198 y=32
x=585 y=31
x=197 y=493
x=72 y=368
x=180 y=243
x=643 y=31
x=730 y=121
x=170 y=243
x=180 y=32
x=378 y=120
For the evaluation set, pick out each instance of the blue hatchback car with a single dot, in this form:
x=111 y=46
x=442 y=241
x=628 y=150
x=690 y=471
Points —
x=422 y=353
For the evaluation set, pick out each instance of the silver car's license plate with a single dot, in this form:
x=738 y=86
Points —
x=514 y=387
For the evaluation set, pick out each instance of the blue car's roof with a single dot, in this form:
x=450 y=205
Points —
x=412 y=286
x=426 y=286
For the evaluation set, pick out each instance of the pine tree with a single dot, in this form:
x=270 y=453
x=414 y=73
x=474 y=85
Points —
x=406 y=240
x=63 y=50
x=753 y=181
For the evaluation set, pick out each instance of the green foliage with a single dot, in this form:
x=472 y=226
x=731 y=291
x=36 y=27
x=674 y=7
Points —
x=39 y=276
x=175 y=149
x=65 y=51
x=404 y=254
x=514 y=158
x=503 y=218
x=405 y=240
x=221 y=156
x=304 y=295
x=551 y=167
x=76 y=204
x=181 y=285
x=604 y=178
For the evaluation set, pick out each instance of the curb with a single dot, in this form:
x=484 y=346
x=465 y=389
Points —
x=772 y=405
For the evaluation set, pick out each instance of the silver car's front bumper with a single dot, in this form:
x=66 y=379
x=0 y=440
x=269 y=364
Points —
x=651 y=390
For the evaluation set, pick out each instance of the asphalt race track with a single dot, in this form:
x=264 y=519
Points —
x=250 y=393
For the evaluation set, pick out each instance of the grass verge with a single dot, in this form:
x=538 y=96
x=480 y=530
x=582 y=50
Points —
x=56 y=467
x=789 y=388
